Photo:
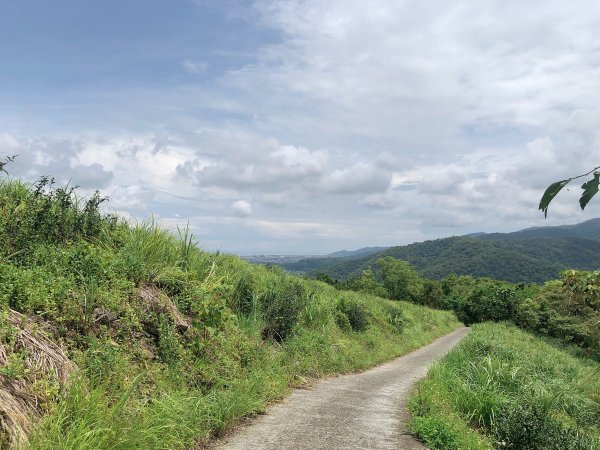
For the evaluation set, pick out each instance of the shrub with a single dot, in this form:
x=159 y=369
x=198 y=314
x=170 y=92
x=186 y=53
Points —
x=282 y=303
x=568 y=310
x=48 y=214
x=357 y=314
x=243 y=298
x=431 y=294
x=451 y=302
x=400 y=279
x=317 y=312
x=341 y=319
x=397 y=319
x=489 y=301
x=169 y=347
x=367 y=282
x=530 y=426
x=512 y=389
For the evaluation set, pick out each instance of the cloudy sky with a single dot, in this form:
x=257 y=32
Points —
x=307 y=126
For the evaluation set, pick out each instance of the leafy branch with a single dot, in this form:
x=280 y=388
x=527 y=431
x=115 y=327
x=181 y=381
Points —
x=590 y=188
x=5 y=162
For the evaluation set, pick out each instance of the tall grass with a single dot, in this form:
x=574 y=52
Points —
x=173 y=344
x=504 y=388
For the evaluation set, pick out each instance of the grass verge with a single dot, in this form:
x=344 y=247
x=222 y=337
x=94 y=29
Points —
x=505 y=388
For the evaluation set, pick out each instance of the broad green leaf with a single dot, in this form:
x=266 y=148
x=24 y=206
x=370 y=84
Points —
x=550 y=193
x=590 y=188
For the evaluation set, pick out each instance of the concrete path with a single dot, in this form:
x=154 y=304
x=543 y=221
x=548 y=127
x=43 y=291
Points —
x=358 y=411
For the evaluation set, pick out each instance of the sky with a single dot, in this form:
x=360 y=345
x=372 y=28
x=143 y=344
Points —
x=307 y=126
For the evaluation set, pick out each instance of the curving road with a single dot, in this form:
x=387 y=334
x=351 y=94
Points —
x=358 y=411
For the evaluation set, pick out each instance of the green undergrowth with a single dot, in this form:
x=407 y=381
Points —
x=507 y=389
x=173 y=345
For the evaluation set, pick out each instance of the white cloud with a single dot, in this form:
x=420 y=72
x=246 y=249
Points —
x=276 y=200
x=387 y=200
x=130 y=197
x=410 y=72
x=241 y=208
x=299 y=160
x=302 y=229
x=359 y=178
x=398 y=120
x=8 y=143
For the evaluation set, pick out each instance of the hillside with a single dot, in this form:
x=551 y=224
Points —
x=532 y=256
x=590 y=229
x=365 y=251
x=125 y=336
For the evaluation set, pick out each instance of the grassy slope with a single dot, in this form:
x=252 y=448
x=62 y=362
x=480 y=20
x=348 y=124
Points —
x=505 y=388
x=144 y=381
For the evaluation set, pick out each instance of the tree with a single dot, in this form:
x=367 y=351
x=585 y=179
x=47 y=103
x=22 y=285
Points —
x=488 y=301
x=590 y=188
x=400 y=279
x=366 y=282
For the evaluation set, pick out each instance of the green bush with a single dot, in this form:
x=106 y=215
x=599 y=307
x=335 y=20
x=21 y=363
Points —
x=431 y=294
x=317 y=312
x=488 y=301
x=530 y=426
x=48 y=214
x=400 y=279
x=243 y=300
x=398 y=321
x=357 y=314
x=451 y=302
x=282 y=304
x=566 y=309
x=169 y=346
x=341 y=319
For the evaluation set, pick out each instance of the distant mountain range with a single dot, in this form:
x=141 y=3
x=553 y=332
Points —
x=366 y=251
x=532 y=255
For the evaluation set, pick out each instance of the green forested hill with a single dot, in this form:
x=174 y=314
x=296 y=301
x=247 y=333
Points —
x=532 y=255
x=589 y=229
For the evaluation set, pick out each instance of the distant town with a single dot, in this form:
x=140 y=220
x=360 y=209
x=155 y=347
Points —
x=277 y=259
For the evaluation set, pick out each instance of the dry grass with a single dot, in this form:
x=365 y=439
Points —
x=156 y=301
x=19 y=401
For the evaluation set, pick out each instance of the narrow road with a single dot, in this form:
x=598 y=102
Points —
x=358 y=411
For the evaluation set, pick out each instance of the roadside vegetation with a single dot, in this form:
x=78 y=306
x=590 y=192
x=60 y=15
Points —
x=129 y=337
x=528 y=374
x=566 y=310
x=507 y=389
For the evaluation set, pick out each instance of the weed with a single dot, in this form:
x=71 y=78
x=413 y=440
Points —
x=356 y=312
x=282 y=303
x=244 y=297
